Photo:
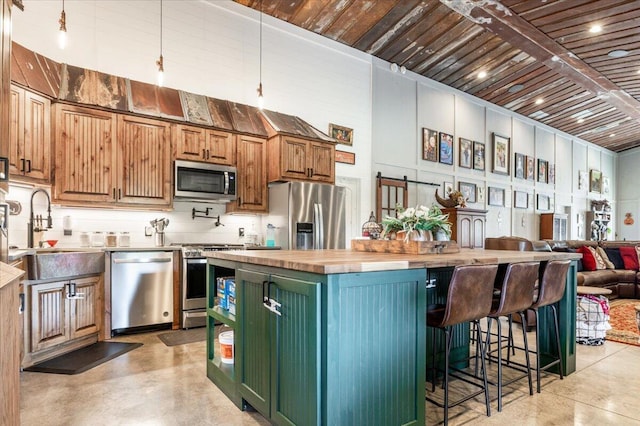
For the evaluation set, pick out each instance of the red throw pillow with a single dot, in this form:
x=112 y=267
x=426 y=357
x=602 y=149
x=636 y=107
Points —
x=588 y=261
x=629 y=257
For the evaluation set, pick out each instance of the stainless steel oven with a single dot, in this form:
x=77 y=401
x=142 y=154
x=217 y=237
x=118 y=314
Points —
x=194 y=282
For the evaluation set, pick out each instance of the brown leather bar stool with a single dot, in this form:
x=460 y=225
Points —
x=515 y=296
x=550 y=291
x=469 y=299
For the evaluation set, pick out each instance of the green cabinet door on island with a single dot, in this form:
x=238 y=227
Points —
x=278 y=351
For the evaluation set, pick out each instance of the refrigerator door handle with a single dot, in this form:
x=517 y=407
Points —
x=319 y=227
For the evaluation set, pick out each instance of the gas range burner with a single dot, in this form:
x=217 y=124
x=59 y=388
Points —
x=192 y=250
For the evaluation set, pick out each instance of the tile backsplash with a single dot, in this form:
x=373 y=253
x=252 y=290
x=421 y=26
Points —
x=182 y=228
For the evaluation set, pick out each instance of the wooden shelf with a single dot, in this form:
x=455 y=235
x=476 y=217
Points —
x=223 y=316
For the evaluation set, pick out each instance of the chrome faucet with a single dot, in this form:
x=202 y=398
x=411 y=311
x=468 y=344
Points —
x=36 y=225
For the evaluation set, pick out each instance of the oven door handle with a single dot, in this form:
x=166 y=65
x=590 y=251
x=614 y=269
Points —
x=196 y=260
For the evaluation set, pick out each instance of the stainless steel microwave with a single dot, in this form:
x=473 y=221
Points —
x=204 y=181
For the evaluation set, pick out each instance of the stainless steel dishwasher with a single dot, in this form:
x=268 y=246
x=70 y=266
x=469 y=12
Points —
x=141 y=290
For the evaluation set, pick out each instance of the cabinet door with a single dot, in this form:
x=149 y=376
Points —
x=220 y=148
x=37 y=136
x=464 y=231
x=322 y=162
x=190 y=143
x=478 y=232
x=295 y=352
x=293 y=159
x=252 y=176
x=253 y=341
x=84 y=155
x=48 y=315
x=144 y=158
x=84 y=318
x=17 y=166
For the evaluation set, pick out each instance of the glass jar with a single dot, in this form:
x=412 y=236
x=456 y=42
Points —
x=84 y=239
x=111 y=239
x=97 y=239
x=124 y=240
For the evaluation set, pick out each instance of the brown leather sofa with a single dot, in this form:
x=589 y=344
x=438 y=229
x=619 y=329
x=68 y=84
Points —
x=622 y=282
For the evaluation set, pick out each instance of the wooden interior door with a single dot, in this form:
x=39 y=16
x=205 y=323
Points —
x=389 y=194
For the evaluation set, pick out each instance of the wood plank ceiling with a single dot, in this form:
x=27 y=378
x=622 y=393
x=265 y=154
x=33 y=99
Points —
x=530 y=50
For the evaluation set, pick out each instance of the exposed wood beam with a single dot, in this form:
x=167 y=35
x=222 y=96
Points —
x=518 y=32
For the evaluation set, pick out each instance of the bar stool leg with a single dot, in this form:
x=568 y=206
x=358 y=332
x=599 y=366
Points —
x=526 y=351
x=499 y=364
x=554 y=307
x=447 y=333
x=483 y=355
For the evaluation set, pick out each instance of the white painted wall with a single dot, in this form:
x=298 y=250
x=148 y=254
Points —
x=444 y=109
x=210 y=48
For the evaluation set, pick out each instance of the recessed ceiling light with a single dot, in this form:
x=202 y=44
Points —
x=595 y=29
x=515 y=88
x=618 y=53
x=482 y=74
x=612 y=135
x=539 y=101
x=581 y=120
x=555 y=58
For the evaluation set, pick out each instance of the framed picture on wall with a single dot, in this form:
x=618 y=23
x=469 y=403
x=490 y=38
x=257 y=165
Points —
x=429 y=144
x=447 y=188
x=531 y=168
x=478 y=155
x=342 y=134
x=496 y=196
x=501 y=154
x=520 y=200
x=468 y=191
x=519 y=166
x=595 y=181
x=543 y=168
x=466 y=153
x=552 y=174
x=446 y=148
x=543 y=202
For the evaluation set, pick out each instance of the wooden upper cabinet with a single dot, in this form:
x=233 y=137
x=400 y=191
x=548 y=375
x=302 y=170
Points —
x=85 y=155
x=299 y=159
x=111 y=159
x=252 y=176
x=205 y=145
x=30 y=136
x=144 y=161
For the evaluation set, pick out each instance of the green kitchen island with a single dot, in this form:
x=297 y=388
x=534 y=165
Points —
x=338 y=337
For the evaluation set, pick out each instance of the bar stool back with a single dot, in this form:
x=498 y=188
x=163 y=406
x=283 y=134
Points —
x=551 y=290
x=469 y=299
x=516 y=295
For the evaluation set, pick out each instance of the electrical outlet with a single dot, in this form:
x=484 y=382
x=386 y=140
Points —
x=241 y=232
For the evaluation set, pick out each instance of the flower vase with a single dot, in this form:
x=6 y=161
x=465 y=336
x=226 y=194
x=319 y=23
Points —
x=440 y=235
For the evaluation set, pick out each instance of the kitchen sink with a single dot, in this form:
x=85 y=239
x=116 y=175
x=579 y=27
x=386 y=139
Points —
x=54 y=263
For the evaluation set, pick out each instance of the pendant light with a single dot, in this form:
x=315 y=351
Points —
x=160 y=61
x=62 y=33
x=260 y=94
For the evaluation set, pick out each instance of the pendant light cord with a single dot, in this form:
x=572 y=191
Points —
x=160 y=27
x=260 y=42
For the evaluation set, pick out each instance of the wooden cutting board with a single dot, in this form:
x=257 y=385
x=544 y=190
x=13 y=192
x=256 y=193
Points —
x=400 y=246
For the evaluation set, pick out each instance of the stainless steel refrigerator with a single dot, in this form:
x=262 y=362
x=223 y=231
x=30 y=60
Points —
x=307 y=215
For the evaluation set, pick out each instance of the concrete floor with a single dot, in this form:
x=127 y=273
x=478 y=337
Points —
x=160 y=385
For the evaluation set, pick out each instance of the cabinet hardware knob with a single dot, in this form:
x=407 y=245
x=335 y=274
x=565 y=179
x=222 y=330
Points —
x=29 y=166
x=22 y=163
x=204 y=154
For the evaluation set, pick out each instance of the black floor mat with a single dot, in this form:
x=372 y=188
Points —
x=83 y=359
x=181 y=337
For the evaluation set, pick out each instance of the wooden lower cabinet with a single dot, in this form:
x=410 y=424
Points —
x=9 y=346
x=468 y=226
x=57 y=320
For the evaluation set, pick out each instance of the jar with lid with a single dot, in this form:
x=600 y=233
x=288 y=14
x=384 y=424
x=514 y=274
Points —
x=111 y=239
x=97 y=239
x=124 y=240
x=84 y=239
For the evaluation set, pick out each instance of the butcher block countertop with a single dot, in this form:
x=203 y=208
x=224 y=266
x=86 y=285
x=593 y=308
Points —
x=347 y=261
x=8 y=274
